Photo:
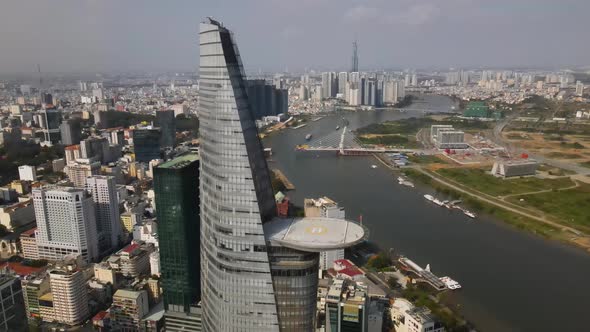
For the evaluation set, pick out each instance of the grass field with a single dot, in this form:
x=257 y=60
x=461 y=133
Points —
x=481 y=180
x=568 y=206
x=427 y=159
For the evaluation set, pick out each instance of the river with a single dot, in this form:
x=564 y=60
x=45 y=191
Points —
x=512 y=280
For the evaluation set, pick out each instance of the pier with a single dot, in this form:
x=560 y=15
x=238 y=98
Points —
x=288 y=185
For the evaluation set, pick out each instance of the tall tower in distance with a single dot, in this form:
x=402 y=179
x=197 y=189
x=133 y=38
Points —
x=355 y=57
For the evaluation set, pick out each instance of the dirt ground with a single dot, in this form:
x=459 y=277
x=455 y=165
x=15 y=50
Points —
x=571 y=148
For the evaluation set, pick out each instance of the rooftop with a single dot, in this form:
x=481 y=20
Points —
x=314 y=234
x=180 y=162
x=128 y=294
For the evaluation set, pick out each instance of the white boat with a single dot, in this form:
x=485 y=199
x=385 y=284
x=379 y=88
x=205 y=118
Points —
x=337 y=127
x=469 y=214
x=308 y=137
x=437 y=202
x=429 y=197
x=450 y=283
x=373 y=166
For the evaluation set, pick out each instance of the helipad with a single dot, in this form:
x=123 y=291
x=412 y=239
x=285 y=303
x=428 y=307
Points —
x=314 y=234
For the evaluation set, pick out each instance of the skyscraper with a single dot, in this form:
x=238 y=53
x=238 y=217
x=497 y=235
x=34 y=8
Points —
x=146 y=144
x=104 y=194
x=176 y=185
x=70 y=132
x=165 y=120
x=355 y=57
x=65 y=223
x=248 y=277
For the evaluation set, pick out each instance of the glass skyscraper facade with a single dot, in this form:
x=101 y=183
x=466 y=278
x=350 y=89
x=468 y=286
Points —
x=146 y=144
x=236 y=195
x=165 y=120
x=252 y=278
x=176 y=186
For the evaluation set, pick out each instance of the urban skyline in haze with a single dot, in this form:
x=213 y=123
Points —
x=113 y=36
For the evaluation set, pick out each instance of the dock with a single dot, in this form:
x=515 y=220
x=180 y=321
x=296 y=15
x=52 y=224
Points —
x=283 y=179
x=424 y=274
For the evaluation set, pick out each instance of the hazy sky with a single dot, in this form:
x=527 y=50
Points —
x=104 y=35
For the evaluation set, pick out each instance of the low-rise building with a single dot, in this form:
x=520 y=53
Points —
x=17 y=215
x=515 y=168
x=28 y=243
x=128 y=308
x=133 y=260
x=34 y=287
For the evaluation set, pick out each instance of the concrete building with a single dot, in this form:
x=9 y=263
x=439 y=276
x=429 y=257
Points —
x=420 y=319
x=451 y=140
x=28 y=242
x=80 y=170
x=27 y=173
x=34 y=287
x=515 y=168
x=346 y=307
x=250 y=282
x=327 y=208
x=579 y=89
x=70 y=132
x=128 y=308
x=17 y=215
x=72 y=153
x=66 y=223
x=104 y=194
x=132 y=261
x=69 y=295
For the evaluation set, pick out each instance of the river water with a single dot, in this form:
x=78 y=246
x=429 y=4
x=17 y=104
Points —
x=512 y=281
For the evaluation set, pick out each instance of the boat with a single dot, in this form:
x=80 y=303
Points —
x=337 y=127
x=308 y=137
x=373 y=166
x=437 y=202
x=429 y=197
x=450 y=283
x=469 y=213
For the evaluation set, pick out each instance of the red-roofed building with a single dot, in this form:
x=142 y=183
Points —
x=19 y=269
x=347 y=269
x=102 y=321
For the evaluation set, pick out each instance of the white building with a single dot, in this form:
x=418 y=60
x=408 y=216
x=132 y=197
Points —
x=448 y=139
x=146 y=232
x=70 y=297
x=179 y=109
x=155 y=263
x=66 y=223
x=80 y=170
x=27 y=173
x=325 y=207
x=104 y=194
x=514 y=168
x=579 y=89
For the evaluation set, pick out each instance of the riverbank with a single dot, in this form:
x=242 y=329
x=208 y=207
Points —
x=533 y=222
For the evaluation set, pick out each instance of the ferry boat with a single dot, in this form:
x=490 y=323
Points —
x=307 y=137
x=450 y=283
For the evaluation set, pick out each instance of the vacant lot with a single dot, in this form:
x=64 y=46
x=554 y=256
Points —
x=568 y=206
x=482 y=180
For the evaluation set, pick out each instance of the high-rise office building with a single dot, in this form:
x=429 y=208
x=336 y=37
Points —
x=355 y=57
x=50 y=122
x=108 y=224
x=248 y=277
x=146 y=144
x=342 y=80
x=96 y=149
x=579 y=89
x=165 y=120
x=176 y=186
x=66 y=223
x=70 y=132
x=12 y=311
x=266 y=99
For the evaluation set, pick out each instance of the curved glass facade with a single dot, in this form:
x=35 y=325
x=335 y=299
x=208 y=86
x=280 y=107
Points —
x=236 y=195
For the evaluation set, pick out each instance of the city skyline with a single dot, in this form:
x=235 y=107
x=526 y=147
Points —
x=110 y=36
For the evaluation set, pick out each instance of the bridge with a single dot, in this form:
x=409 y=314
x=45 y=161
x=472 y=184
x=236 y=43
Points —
x=344 y=143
